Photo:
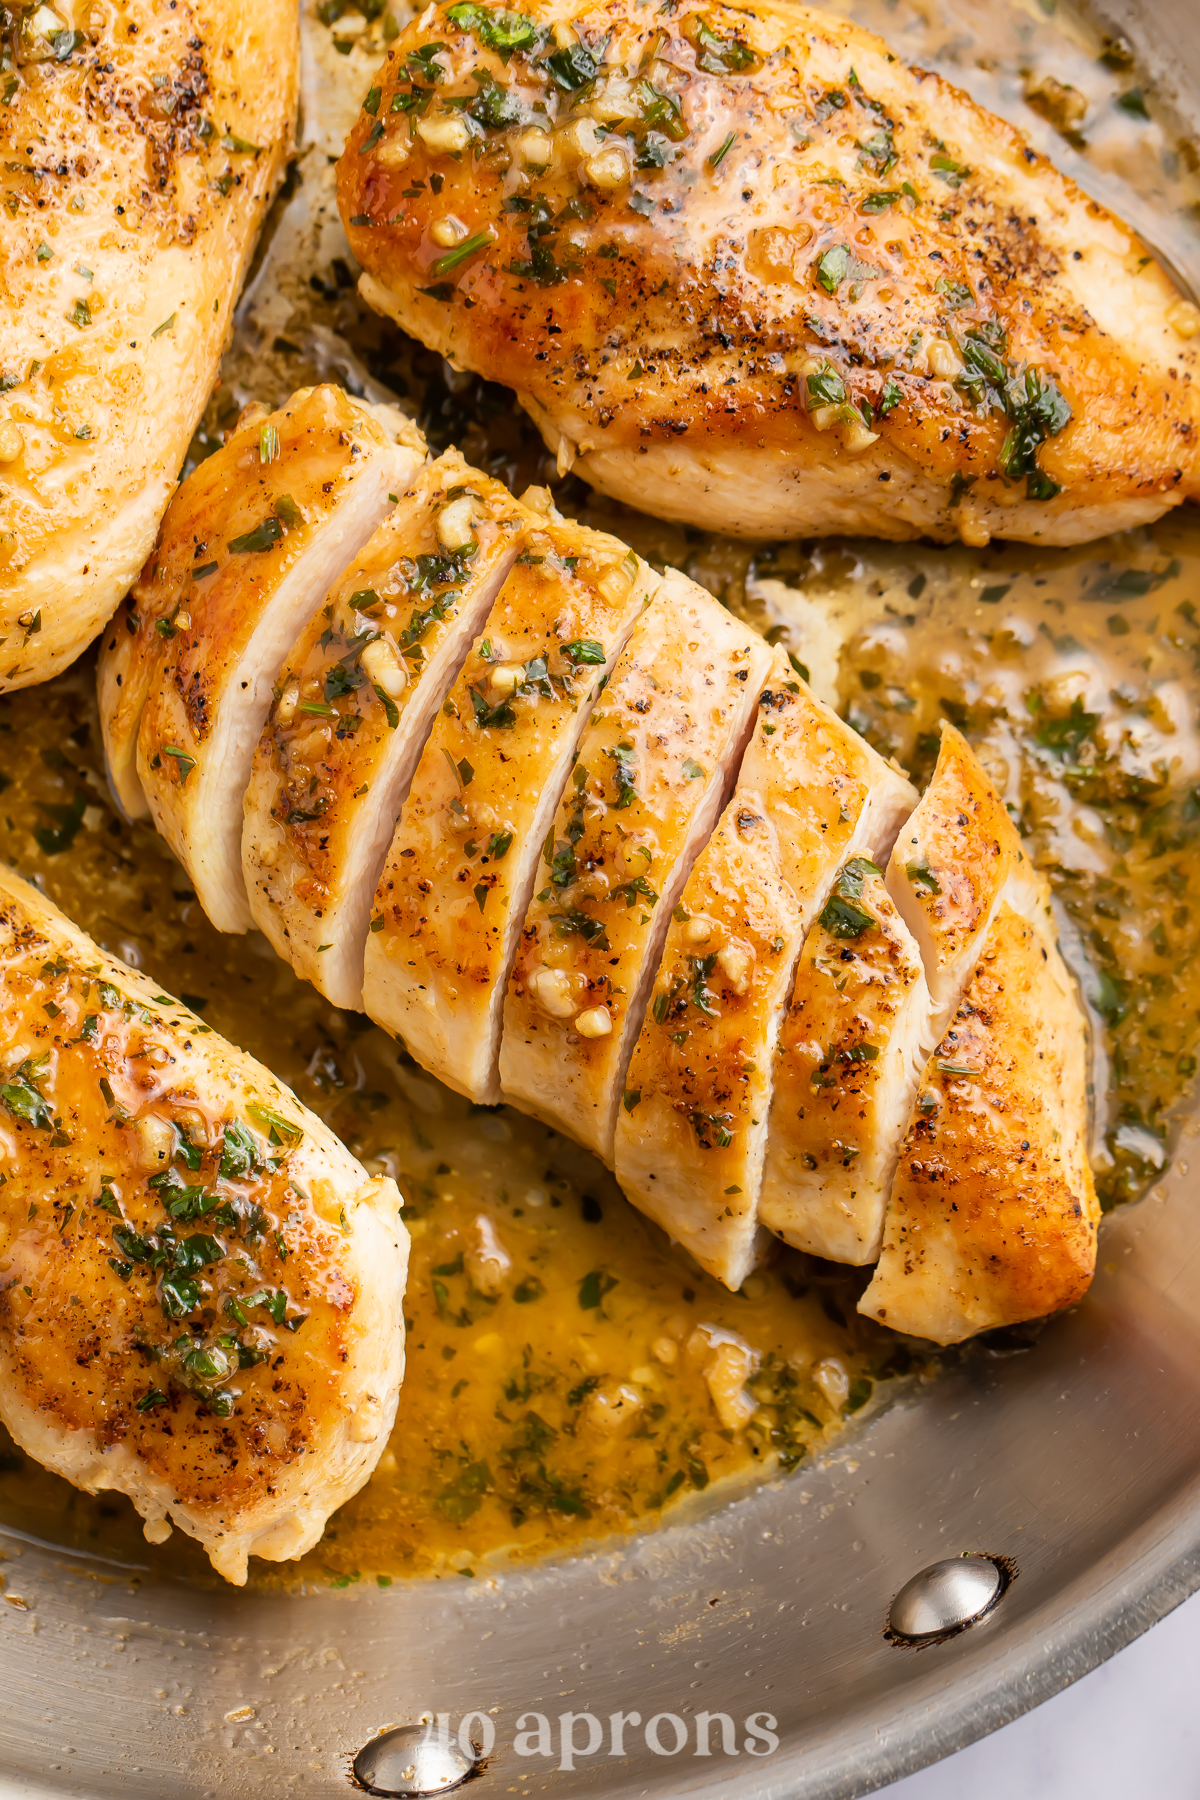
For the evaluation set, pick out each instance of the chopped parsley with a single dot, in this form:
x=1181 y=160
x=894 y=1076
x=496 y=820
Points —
x=268 y=532
x=842 y=915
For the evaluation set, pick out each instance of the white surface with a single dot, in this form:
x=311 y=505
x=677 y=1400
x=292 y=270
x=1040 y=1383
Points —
x=1128 y=1731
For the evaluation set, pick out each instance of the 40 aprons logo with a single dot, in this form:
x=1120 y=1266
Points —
x=570 y=1737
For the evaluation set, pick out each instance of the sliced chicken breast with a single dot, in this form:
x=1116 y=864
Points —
x=142 y=145
x=692 y=1129
x=200 y=1289
x=748 y=270
x=461 y=867
x=798 y=996
x=650 y=775
x=243 y=558
x=354 y=705
x=810 y=792
x=850 y=1058
x=993 y=1215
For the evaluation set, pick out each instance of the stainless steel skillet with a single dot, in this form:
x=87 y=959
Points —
x=1079 y=1460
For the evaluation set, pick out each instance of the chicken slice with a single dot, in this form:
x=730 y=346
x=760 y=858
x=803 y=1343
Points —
x=952 y=861
x=748 y=270
x=461 y=867
x=223 y=496
x=850 y=1058
x=810 y=793
x=993 y=1215
x=200 y=1288
x=829 y=793
x=355 y=701
x=839 y=1115
x=651 y=773
x=138 y=155
x=250 y=544
x=691 y=1134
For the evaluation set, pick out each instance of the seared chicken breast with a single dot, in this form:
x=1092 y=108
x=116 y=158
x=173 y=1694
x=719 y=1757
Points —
x=850 y=1056
x=462 y=864
x=747 y=269
x=246 y=551
x=200 y=1289
x=140 y=146
x=354 y=703
x=993 y=1215
x=649 y=777
x=736 y=1012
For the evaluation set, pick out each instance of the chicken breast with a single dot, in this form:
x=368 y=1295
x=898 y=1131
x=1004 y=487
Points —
x=356 y=699
x=850 y=1057
x=141 y=145
x=738 y=1025
x=200 y=1289
x=691 y=1134
x=748 y=270
x=993 y=1216
x=810 y=791
x=461 y=867
x=247 y=550
x=648 y=782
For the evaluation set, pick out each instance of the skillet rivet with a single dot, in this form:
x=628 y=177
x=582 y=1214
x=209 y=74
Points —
x=412 y=1762
x=945 y=1597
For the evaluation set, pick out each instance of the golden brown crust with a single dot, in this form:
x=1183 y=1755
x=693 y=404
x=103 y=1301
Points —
x=950 y=864
x=245 y=551
x=191 y=605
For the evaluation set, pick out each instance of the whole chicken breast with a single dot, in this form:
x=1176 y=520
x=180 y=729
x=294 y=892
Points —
x=460 y=871
x=200 y=1288
x=247 y=549
x=355 y=701
x=140 y=146
x=650 y=774
x=850 y=1057
x=747 y=269
x=993 y=1215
